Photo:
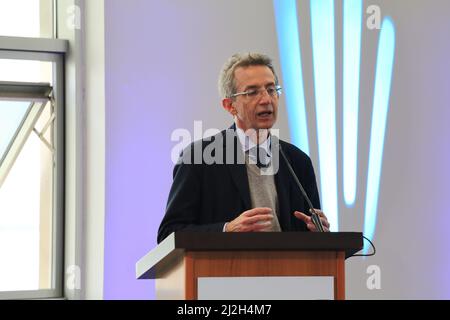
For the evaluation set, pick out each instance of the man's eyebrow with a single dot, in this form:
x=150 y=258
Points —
x=250 y=87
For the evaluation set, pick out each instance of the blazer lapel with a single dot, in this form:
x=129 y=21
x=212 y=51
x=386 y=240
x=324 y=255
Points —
x=282 y=183
x=239 y=174
x=237 y=169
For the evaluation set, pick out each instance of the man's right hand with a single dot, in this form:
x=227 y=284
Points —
x=257 y=219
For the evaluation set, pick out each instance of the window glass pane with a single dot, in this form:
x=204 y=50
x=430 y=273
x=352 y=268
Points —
x=26 y=227
x=11 y=116
x=26 y=18
x=25 y=70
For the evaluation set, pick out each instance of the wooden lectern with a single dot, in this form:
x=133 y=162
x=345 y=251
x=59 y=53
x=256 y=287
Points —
x=178 y=261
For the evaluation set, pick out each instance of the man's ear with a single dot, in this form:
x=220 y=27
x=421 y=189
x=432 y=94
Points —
x=227 y=104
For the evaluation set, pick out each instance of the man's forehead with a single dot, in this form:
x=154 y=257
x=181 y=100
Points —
x=253 y=75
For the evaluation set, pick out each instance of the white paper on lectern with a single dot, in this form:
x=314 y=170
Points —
x=265 y=288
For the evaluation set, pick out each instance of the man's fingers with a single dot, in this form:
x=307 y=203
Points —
x=323 y=218
x=309 y=224
x=260 y=226
x=325 y=222
x=300 y=215
x=257 y=211
x=258 y=218
x=319 y=213
x=254 y=227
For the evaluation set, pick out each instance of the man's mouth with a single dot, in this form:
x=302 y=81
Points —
x=264 y=114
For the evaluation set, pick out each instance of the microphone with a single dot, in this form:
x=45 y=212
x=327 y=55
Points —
x=314 y=216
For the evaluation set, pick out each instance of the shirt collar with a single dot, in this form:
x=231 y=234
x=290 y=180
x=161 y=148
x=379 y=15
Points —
x=247 y=143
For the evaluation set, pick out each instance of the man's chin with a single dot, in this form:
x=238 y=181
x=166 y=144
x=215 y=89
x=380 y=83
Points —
x=266 y=125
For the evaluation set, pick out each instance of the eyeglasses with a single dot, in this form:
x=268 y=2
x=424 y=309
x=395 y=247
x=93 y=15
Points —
x=273 y=91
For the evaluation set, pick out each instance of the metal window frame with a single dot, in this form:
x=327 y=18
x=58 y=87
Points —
x=25 y=91
x=51 y=50
x=21 y=135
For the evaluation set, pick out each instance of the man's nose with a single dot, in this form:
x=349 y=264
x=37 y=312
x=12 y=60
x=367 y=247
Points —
x=265 y=97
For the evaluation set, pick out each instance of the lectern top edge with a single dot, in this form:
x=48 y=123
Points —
x=348 y=242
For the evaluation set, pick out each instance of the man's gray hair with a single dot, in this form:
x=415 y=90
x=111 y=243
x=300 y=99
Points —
x=226 y=79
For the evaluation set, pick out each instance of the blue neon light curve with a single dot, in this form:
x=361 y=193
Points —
x=352 y=15
x=383 y=77
x=291 y=66
x=322 y=28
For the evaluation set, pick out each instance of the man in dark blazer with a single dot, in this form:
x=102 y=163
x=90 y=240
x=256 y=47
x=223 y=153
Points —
x=236 y=181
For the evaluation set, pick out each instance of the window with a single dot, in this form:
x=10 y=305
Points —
x=31 y=168
x=31 y=150
x=26 y=173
